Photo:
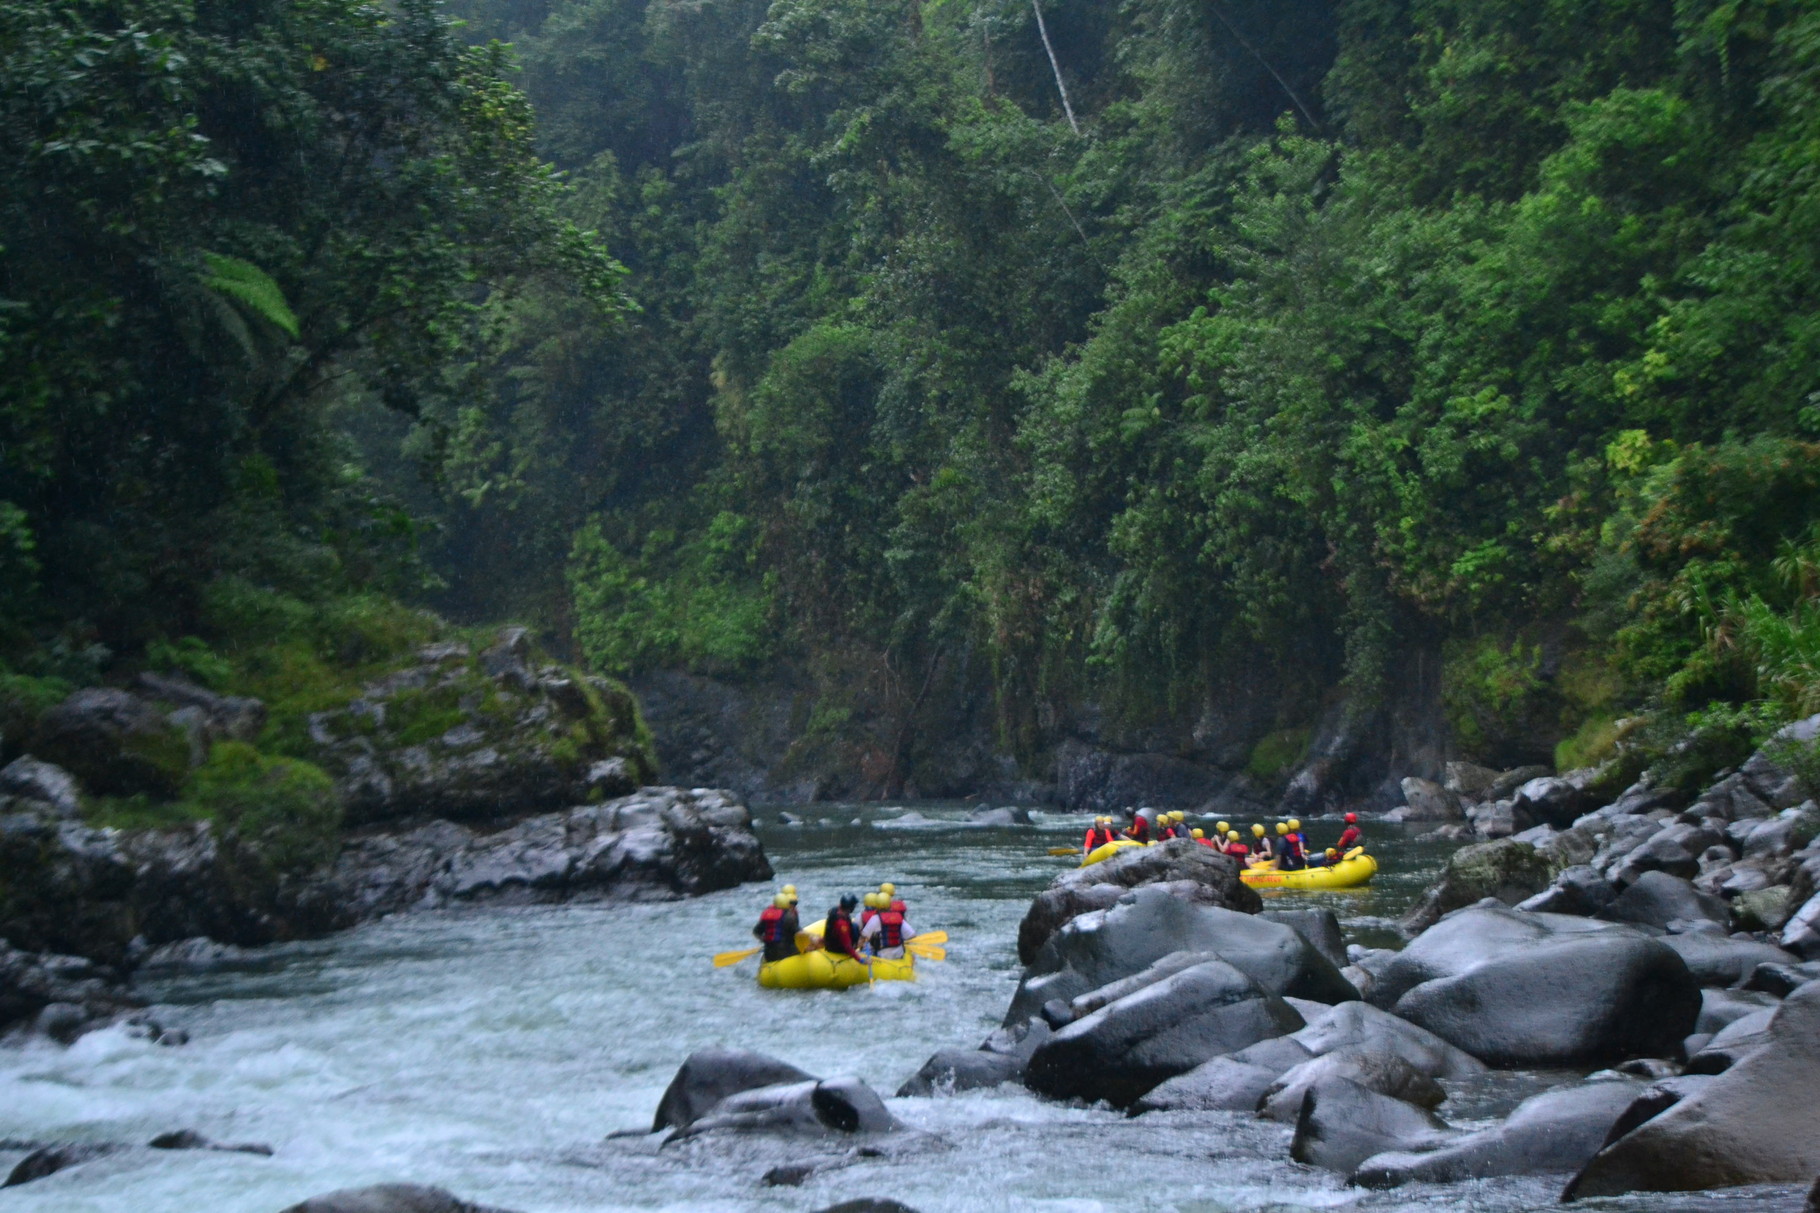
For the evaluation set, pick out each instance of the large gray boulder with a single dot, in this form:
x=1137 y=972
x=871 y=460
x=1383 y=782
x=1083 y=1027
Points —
x=1384 y=1073
x=1360 y=1027
x=1658 y=899
x=1473 y=980
x=1555 y=800
x=390 y=1198
x=1769 y=772
x=708 y=1076
x=116 y=744
x=1148 y=924
x=818 y=1109
x=1720 y=960
x=1553 y=1133
x=1752 y=1124
x=952 y=1071
x=1507 y=869
x=1802 y=933
x=1121 y=1051
x=1193 y=872
x=1319 y=925
x=1341 y=1124
x=1674 y=849
x=1426 y=800
x=1575 y=890
x=1224 y=1084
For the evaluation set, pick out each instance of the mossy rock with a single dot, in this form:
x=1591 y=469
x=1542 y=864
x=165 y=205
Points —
x=1506 y=869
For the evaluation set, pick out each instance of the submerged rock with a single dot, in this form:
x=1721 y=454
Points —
x=63 y=996
x=1553 y=1133
x=708 y=1076
x=390 y=1198
x=51 y=1159
x=952 y=1071
x=817 y=1108
x=1383 y=1073
x=1341 y=1124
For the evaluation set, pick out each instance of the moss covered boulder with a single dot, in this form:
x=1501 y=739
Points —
x=1506 y=869
x=479 y=736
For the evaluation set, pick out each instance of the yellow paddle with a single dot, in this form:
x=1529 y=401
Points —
x=723 y=959
x=1064 y=850
x=926 y=951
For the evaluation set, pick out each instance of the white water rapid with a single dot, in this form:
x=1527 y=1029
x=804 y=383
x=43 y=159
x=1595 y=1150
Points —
x=492 y=1050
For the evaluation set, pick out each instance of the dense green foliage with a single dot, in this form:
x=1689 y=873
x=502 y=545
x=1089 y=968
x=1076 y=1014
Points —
x=1340 y=331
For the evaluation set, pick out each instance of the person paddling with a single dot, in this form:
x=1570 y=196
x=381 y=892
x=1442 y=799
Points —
x=840 y=938
x=777 y=927
x=1290 y=856
x=1139 y=830
x=1099 y=834
x=888 y=932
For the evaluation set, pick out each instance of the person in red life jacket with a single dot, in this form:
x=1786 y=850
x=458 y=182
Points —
x=1350 y=837
x=888 y=932
x=841 y=939
x=871 y=910
x=1238 y=850
x=1139 y=830
x=777 y=928
x=1098 y=835
x=1290 y=855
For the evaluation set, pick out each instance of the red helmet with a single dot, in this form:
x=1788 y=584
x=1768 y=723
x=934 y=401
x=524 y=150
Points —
x=1352 y=819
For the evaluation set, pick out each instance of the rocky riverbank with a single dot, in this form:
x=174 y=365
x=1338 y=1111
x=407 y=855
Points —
x=176 y=821
x=1618 y=941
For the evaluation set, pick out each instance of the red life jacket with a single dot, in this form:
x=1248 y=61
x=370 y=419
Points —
x=840 y=935
x=1237 y=850
x=1349 y=838
x=867 y=917
x=1097 y=838
x=1140 y=829
x=891 y=928
x=772 y=920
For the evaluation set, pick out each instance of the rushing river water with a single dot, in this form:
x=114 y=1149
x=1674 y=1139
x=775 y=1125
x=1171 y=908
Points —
x=493 y=1050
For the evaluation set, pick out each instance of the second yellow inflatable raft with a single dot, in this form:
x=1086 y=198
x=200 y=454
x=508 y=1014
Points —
x=1110 y=849
x=1349 y=873
x=822 y=970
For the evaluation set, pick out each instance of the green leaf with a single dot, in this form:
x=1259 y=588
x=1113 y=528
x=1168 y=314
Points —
x=247 y=284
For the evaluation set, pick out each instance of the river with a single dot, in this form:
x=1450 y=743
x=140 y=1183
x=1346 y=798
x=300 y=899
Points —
x=492 y=1050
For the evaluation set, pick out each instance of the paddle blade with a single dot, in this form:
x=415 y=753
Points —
x=1063 y=850
x=929 y=937
x=723 y=959
x=928 y=952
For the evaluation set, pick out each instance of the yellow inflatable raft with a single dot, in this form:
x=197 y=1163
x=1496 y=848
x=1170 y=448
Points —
x=1110 y=849
x=822 y=970
x=1351 y=872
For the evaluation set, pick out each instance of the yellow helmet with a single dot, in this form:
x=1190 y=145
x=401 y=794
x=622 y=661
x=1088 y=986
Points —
x=1179 y=816
x=887 y=888
x=1294 y=824
x=1257 y=829
x=788 y=890
x=1197 y=834
x=1281 y=828
x=1232 y=835
x=1223 y=826
x=781 y=901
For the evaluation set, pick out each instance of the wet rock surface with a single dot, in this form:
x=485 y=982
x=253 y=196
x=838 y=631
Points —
x=708 y=1076
x=1753 y=1123
x=1194 y=873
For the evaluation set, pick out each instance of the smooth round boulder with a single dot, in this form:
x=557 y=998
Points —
x=1385 y=1073
x=835 y=1105
x=1507 y=870
x=1224 y=1084
x=1196 y=873
x=1360 y=1027
x=708 y=1076
x=1121 y=1051
x=952 y=1071
x=1657 y=899
x=1593 y=1000
x=1720 y=960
